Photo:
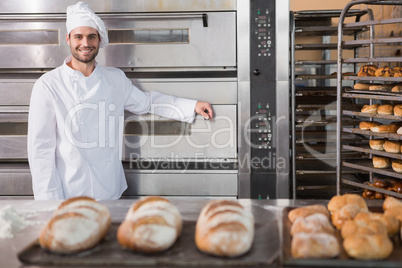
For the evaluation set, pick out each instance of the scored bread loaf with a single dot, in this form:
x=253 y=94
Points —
x=152 y=225
x=77 y=225
x=224 y=228
x=363 y=224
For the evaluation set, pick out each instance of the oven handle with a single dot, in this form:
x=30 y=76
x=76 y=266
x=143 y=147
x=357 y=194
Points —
x=202 y=16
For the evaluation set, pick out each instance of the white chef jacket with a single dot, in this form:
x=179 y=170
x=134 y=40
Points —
x=75 y=130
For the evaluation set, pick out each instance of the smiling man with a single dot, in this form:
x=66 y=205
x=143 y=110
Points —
x=75 y=124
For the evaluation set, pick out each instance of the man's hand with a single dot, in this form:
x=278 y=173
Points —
x=204 y=109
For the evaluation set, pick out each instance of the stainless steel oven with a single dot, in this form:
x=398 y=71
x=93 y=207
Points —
x=233 y=54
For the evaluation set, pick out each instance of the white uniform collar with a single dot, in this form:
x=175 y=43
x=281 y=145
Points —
x=70 y=71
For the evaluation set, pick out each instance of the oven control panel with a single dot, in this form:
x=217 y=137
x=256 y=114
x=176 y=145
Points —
x=262 y=99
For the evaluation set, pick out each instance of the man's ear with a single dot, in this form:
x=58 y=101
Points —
x=68 y=39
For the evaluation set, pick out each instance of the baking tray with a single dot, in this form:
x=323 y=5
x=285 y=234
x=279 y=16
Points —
x=394 y=260
x=108 y=252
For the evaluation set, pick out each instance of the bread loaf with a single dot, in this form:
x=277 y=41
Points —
x=397 y=166
x=393 y=207
x=224 y=228
x=367 y=70
x=381 y=162
x=384 y=128
x=368 y=247
x=314 y=245
x=361 y=86
x=377 y=145
x=392 y=147
x=385 y=109
x=338 y=201
x=384 y=72
x=315 y=223
x=370 y=109
x=306 y=211
x=367 y=125
x=77 y=225
x=152 y=224
x=363 y=223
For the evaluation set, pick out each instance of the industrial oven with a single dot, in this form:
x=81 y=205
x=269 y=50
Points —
x=233 y=54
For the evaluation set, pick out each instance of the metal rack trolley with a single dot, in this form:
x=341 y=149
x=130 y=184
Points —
x=313 y=100
x=370 y=96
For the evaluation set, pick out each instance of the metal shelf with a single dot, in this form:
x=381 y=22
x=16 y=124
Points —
x=384 y=41
x=372 y=188
x=393 y=136
x=367 y=165
x=370 y=60
x=379 y=116
x=366 y=149
x=373 y=78
x=331 y=46
x=380 y=96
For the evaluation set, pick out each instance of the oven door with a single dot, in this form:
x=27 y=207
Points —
x=137 y=40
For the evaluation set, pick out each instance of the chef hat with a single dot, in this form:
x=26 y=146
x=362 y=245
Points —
x=81 y=14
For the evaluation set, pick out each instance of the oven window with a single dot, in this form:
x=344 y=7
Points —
x=29 y=37
x=149 y=36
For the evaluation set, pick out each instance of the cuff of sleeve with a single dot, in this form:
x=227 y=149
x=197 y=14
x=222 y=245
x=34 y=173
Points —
x=188 y=108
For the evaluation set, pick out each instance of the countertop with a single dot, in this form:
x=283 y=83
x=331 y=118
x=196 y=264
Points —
x=40 y=211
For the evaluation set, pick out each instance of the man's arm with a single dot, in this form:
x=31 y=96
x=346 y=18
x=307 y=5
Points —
x=42 y=145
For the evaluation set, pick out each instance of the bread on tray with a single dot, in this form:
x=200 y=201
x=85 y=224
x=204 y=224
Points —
x=152 y=225
x=224 y=228
x=77 y=225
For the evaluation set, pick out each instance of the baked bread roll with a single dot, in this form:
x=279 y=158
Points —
x=368 y=194
x=381 y=162
x=363 y=223
x=314 y=245
x=224 y=228
x=315 y=223
x=377 y=145
x=393 y=207
x=384 y=72
x=367 y=125
x=390 y=222
x=307 y=211
x=339 y=201
x=367 y=70
x=384 y=129
x=346 y=213
x=361 y=86
x=397 y=88
x=380 y=87
x=391 y=202
x=368 y=247
x=397 y=166
x=385 y=109
x=398 y=110
x=392 y=147
x=77 y=225
x=370 y=109
x=152 y=224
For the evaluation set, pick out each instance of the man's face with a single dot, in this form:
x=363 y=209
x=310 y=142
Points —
x=84 y=43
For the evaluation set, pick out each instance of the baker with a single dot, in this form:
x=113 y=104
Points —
x=75 y=125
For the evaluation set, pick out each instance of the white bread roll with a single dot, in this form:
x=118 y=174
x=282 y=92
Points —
x=368 y=247
x=77 y=225
x=381 y=162
x=392 y=147
x=224 y=228
x=315 y=223
x=314 y=245
x=152 y=224
x=305 y=211
x=377 y=144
